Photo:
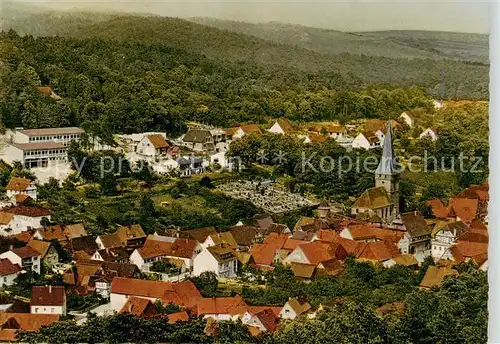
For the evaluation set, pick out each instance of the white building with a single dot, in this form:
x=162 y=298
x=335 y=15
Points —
x=60 y=135
x=48 y=300
x=152 y=146
x=220 y=260
x=366 y=141
x=159 y=247
x=408 y=118
x=293 y=308
x=437 y=104
x=17 y=219
x=281 y=126
x=8 y=272
x=26 y=257
x=429 y=132
x=444 y=238
x=21 y=186
x=199 y=140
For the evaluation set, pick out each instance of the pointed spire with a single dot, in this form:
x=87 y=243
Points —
x=387 y=162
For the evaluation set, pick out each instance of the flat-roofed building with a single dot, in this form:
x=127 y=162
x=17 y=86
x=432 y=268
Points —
x=60 y=135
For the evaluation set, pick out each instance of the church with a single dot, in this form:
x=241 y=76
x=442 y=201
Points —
x=383 y=199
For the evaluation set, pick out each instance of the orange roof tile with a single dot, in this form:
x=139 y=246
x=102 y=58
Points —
x=41 y=247
x=326 y=235
x=158 y=141
x=464 y=208
x=18 y=184
x=178 y=316
x=136 y=306
x=317 y=251
x=27 y=321
x=8 y=268
x=221 y=305
x=439 y=210
x=379 y=251
x=435 y=275
x=264 y=254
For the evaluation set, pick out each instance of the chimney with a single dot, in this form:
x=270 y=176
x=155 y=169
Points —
x=11 y=247
x=50 y=289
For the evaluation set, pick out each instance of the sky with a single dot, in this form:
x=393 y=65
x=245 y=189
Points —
x=354 y=15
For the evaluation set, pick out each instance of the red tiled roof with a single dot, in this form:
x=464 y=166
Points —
x=351 y=246
x=474 y=236
x=269 y=319
x=317 y=251
x=264 y=254
x=476 y=191
x=464 y=208
x=48 y=296
x=40 y=246
x=465 y=249
x=364 y=232
x=136 y=306
x=8 y=268
x=478 y=225
x=23 y=236
x=158 y=141
x=22 y=198
x=182 y=248
x=379 y=251
x=27 y=321
x=326 y=235
x=25 y=252
x=438 y=208
x=178 y=316
x=27 y=211
x=221 y=305
x=182 y=293
x=18 y=184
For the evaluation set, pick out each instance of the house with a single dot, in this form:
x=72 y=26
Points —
x=464 y=251
x=8 y=272
x=117 y=254
x=200 y=234
x=21 y=186
x=479 y=192
x=26 y=257
x=265 y=320
x=367 y=233
x=264 y=254
x=48 y=300
x=408 y=118
x=431 y=133
x=444 y=237
x=293 y=309
x=23 y=217
x=191 y=165
x=158 y=247
x=221 y=308
x=464 y=209
x=199 y=140
x=48 y=254
x=281 y=126
x=379 y=251
x=373 y=125
x=152 y=146
x=407 y=260
x=302 y=271
x=262 y=221
x=181 y=293
x=316 y=252
x=238 y=132
x=435 y=275
x=129 y=237
x=417 y=233
x=439 y=210
x=82 y=246
x=10 y=323
x=245 y=236
x=219 y=259
x=60 y=233
x=47 y=90
x=366 y=140
x=139 y=307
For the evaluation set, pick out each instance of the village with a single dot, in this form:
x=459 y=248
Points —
x=131 y=271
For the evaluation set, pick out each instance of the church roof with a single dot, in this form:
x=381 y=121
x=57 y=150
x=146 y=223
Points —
x=387 y=162
x=373 y=198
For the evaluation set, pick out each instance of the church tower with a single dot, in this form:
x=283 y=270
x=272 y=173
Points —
x=387 y=172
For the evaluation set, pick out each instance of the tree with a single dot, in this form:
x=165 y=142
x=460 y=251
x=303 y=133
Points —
x=206 y=283
x=108 y=184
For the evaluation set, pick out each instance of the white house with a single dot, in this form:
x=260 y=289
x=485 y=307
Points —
x=48 y=300
x=221 y=308
x=159 y=247
x=198 y=140
x=22 y=217
x=8 y=272
x=165 y=166
x=429 y=132
x=366 y=141
x=293 y=308
x=21 y=186
x=408 y=118
x=26 y=257
x=220 y=260
x=152 y=145
x=437 y=104
x=281 y=126
x=445 y=237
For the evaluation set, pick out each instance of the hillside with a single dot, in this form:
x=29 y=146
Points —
x=275 y=60
x=394 y=44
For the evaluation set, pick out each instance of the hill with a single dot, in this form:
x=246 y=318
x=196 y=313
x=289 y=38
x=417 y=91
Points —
x=395 y=44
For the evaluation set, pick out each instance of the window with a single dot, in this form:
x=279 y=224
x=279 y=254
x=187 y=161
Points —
x=36 y=310
x=52 y=310
x=5 y=279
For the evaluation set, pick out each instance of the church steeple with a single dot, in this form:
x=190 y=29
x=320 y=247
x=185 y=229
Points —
x=387 y=172
x=387 y=163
